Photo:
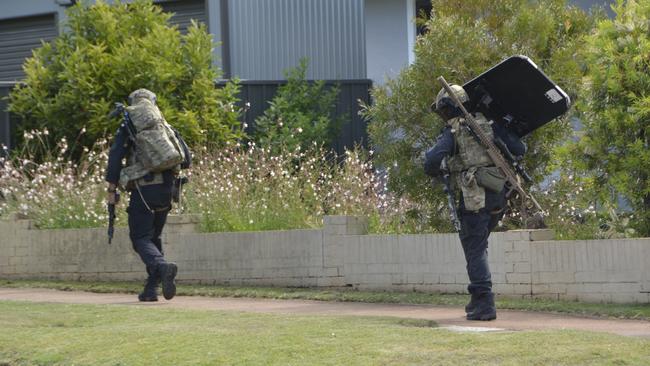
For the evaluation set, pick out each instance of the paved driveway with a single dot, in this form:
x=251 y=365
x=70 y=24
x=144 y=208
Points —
x=452 y=318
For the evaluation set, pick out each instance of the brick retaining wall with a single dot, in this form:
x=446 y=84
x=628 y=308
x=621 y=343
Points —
x=524 y=263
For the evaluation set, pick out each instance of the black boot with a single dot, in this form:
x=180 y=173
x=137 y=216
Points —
x=469 y=308
x=150 y=292
x=167 y=273
x=485 y=308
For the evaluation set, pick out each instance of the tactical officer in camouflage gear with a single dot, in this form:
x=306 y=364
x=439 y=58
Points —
x=149 y=204
x=481 y=204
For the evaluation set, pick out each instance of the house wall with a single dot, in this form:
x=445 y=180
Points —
x=524 y=263
x=390 y=35
x=27 y=8
x=586 y=4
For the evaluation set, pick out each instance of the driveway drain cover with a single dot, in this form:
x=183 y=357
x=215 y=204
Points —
x=460 y=329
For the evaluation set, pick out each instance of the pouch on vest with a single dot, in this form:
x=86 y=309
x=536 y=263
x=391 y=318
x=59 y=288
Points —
x=130 y=174
x=490 y=178
x=473 y=194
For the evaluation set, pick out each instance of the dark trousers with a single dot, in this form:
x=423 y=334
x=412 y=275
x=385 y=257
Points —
x=474 y=232
x=145 y=225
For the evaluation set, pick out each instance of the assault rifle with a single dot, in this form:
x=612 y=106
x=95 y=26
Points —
x=451 y=201
x=111 y=217
x=118 y=110
x=492 y=150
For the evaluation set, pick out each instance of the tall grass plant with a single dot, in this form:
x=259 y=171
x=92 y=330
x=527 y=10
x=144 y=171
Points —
x=44 y=183
x=237 y=188
x=245 y=187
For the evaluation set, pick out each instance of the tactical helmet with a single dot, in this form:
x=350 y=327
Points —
x=457 y=89
x=141 y=94
x=445 y=107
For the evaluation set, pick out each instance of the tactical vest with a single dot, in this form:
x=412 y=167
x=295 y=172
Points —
x=468 y=157
x=469 y=152
x=155 y=148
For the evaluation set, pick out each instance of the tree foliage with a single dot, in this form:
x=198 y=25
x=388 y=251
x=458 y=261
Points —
x=463 y=39
x=613 y=153
x=299 y=114
x=106 y=52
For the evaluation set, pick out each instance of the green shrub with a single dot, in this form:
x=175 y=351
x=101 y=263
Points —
x=300 y=113
x=614 y=148
x=574 y=213
x=463 y=39
x=108 y=51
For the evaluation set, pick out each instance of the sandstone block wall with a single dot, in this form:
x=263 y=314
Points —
x=525 y=263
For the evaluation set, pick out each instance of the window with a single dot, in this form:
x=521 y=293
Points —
x=422 y=11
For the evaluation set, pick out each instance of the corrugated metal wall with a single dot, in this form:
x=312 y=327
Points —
x=269 y=36
x=17 y=39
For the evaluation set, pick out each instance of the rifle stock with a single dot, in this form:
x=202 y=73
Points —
x=492 y=150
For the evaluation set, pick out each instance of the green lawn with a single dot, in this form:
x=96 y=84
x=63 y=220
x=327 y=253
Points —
x=629 y=311
x=57 y=334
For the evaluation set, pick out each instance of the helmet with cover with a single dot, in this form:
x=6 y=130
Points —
x=142 y=94
x=445 y=106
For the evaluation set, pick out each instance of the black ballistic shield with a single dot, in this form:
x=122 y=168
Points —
x=517 y=92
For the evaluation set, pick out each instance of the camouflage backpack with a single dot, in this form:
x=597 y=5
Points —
x=156 y=147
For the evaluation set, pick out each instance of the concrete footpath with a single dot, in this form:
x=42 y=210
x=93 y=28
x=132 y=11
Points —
x=451 y=318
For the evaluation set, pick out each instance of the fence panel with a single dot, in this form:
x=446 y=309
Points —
x=354 y=128
x=5 y=120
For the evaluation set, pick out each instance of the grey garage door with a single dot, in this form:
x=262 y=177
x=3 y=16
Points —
x=184 y=11
x=17 y=39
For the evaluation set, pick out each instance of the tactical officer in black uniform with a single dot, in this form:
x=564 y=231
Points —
x=148 y=208
x=480 y=208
